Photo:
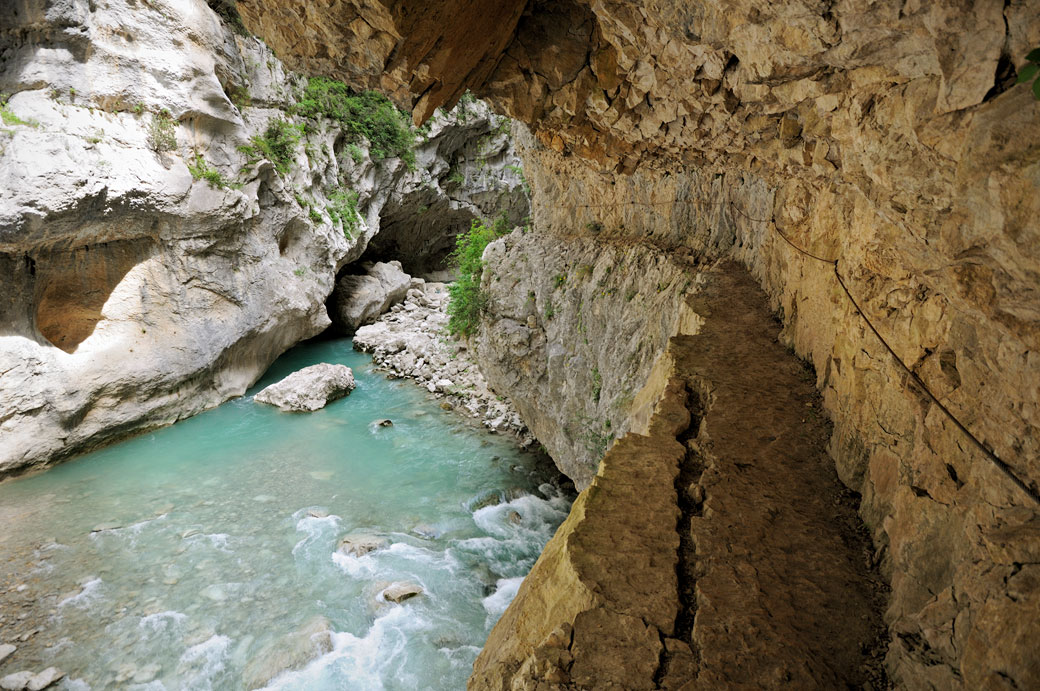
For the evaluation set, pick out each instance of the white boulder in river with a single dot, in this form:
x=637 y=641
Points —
x=361 y=298
x=310 y=388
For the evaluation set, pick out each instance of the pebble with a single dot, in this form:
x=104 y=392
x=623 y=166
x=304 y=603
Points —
x=5 y=651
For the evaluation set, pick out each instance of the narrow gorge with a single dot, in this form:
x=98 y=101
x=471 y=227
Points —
x=765 y=286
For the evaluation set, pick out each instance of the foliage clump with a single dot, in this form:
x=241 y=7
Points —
x=1031 y=72
x=9 y=118
x=368 y=115
x=463 y=107
x=467 y=300
x=342 y=209
x=277 y=144
x=162 y=132
x=200 y=169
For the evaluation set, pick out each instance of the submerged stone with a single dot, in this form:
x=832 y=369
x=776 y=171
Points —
x=491 y=498
x=5 y=651
x=310 y=641
x=16 y=681
x=45 y=679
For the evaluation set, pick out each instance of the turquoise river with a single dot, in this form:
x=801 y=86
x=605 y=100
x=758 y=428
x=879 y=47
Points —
x=186 y=558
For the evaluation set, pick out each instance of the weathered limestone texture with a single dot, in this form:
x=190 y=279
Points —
x=573 y=327
x=133 y=293
x=397 y=47
x=473 y=173
x=577 y=616
x=887 y=136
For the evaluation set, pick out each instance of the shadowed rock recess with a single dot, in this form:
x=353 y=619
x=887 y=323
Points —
x=886 y=136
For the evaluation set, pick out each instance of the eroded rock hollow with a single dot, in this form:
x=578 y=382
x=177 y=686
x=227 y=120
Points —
x=873 y=167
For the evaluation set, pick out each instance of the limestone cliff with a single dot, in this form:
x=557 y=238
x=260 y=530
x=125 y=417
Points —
x=887 y=137
x=152 y=269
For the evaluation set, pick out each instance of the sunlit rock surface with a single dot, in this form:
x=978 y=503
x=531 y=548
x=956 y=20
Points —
x=888 y=137
x=135 y=294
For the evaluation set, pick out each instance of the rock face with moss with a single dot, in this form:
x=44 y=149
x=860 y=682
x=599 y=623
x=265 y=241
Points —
x=174 y=222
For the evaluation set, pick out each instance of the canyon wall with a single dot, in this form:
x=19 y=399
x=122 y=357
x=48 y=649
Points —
x=886 y=141
x=152 y=269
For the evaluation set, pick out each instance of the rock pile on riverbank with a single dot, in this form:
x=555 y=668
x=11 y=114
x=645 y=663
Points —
x=411 y=341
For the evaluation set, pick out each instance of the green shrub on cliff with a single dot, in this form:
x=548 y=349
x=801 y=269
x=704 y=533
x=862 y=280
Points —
x=200 y=169
x=342 y=208
x=277 y=144
x=162 y=132
x=467 y=300
x=9 y=118
x=367 y=115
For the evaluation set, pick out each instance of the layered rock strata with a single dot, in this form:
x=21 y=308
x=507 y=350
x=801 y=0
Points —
x=152 y=270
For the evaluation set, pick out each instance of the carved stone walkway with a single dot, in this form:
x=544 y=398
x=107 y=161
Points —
x=717 y=549
x=774 y=574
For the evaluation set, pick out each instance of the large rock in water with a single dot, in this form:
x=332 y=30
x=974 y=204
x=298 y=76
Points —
x=361 y=298
x=294 y=651
x=309 y=389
